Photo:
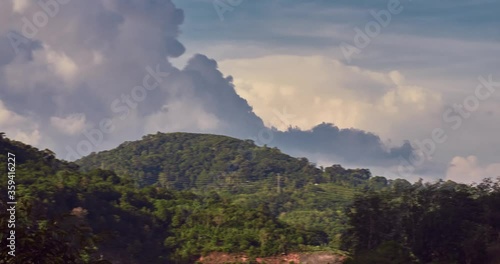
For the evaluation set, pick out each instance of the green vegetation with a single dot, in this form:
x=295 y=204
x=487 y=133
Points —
x=171 y=198
x=183 y=161
x=65 y=215
x=297 y=192
x=442 y=222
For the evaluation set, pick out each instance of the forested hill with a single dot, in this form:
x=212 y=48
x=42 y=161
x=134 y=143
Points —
x=285 y=205
x=186 y=160
x=67 y=216
x=34 y=158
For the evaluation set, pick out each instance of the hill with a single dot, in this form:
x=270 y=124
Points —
x=185 y=161
x=64 y=215
x=295 y=191
x=272 y=208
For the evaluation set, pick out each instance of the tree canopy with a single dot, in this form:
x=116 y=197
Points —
x=171 y=198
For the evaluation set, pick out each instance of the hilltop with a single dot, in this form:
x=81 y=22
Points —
x=186 y=161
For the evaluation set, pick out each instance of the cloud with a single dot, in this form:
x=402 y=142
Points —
x=20 y=5
x=352 y=146
x=87 y=55
x=182 y=116
x=18 y=127
x=317 y=89
x=96 y=64
x=32 y=138
x=210 y=96
x=469 y=170
x=64 y=66
x=8 y=118
x=71 y=124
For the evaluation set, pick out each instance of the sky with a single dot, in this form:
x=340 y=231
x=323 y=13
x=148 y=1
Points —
x=405 y=88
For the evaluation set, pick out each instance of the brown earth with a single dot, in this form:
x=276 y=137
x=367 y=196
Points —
x=302 y=258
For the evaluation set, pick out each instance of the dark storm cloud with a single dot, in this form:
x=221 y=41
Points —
x=218 y=93
x=347 y=145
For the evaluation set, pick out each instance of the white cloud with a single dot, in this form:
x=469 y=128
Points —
x=70 y=125
x=182 y=115
x=20 y=5
x=62 y=65
x=317 y=89
x=30 y=138
x=468 y=170
x=18 y=127
x=9 y=118
x=48 y=67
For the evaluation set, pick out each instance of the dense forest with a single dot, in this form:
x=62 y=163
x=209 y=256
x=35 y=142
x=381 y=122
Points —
x=171 y=198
